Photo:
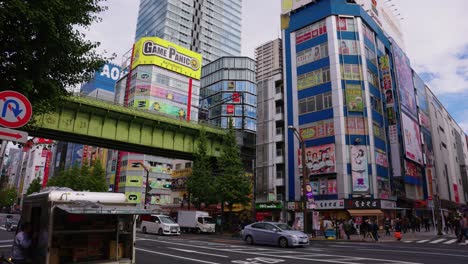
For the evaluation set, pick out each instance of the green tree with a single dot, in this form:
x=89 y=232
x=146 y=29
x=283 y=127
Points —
x=35 y=186
x=81 y=179
x=232 y=185
x=8 y=196
x=42 y=50
x=200 y=184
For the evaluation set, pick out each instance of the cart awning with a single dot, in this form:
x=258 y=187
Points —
x=104 y=209
x=370 y=212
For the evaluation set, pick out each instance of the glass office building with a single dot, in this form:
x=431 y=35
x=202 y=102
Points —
x=212 y=28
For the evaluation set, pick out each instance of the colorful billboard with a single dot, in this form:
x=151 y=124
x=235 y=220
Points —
x=359 y=172
x=104 y=79
x=291 y=5
x=405 y=80
x=348 y=47
x=162 y=53
x=354 y=98
x=321 y=159
x=381 y=158
x=319 y=129
x=412 y=139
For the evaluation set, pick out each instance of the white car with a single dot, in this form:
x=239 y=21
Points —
x=160 y=224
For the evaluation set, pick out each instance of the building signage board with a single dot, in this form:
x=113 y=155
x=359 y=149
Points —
x=412 y=139
x=362 y=204
x=405 y=80
x=319 y=129
x=162 y=53
x=321 y=159
x=268 y=206
x=329 y=204
x=386 y=204
x=359 y=171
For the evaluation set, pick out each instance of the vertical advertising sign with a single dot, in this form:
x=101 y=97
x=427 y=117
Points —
x=354 y=98
x=412 y=139
x=359 y=171
x=405 y=80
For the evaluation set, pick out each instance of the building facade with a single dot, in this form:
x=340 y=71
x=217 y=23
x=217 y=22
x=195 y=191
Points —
x=363 y=114
x=162 y=78
x=270 y=169
x=229 y=92
x=212 y=28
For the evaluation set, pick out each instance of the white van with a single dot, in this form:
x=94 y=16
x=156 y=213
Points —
x=159 y=224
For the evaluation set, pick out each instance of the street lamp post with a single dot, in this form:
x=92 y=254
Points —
x=305 y=175
x=136 y=165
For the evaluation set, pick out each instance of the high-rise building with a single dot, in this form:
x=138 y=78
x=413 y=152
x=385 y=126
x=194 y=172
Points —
x=270 y=150
x=162 y=78
x=212 y=28
x=229 y=91
x=367 y=121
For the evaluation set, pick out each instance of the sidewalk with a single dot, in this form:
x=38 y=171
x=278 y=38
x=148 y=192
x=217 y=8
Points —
x=408 y=236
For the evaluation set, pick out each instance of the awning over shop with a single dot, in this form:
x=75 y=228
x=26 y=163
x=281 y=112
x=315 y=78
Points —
x=370 y=212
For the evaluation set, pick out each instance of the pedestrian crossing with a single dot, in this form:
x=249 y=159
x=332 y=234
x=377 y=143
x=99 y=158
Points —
x=444 y=241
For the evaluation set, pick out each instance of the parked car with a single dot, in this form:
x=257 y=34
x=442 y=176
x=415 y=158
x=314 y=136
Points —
x=160 y=224
x=273 y=233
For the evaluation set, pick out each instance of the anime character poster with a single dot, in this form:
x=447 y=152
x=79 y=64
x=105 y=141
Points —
x=359 y=173
x=412 y=139
x=321 y=159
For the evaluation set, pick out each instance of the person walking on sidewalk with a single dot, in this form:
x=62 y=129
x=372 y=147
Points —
x=398 y=229
x=374 y=230
x=387 y=225
x=463 y=229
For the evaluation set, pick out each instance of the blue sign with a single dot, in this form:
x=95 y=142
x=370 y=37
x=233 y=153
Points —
x=104 y=79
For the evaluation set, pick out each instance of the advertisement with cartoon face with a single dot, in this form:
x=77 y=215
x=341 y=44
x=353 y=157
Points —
x=321 y=159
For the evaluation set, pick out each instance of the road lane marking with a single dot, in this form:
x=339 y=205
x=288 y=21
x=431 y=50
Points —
x=6 y=241
x=5 y=246
x=343 y=258
x=450 y=241
x=416 y=252
x=422 y=241
x=174 y=256
x=197 y=252
x=437 y=241
x=408 y=241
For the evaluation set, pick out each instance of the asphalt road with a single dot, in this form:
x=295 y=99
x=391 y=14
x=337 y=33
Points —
x=214 y=249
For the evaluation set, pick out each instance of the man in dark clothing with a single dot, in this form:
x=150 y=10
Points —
x=387 y=226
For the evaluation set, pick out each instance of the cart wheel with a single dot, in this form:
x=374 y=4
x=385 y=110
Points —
x=144 y=230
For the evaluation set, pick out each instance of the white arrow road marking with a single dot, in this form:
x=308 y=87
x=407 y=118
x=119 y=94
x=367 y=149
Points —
x=437 y=241
x=174 y=256
x=197 y=252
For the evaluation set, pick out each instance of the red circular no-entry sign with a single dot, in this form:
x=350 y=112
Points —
x=15 y=109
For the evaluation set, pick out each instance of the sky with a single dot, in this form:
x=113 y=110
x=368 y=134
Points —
x=434 y=33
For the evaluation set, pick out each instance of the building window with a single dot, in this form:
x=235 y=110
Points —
x=279 y=152
x=370 y=55
x=315 y=103
x=178 y=166
x=279 y=174
x=351 y=72
x=312 y=54
x=349 y=47
x=372 y=79
x=311 y=31
x=279 y=131
x=368 y=33
x=313 y=78
x=345 y=24
x=188 y=165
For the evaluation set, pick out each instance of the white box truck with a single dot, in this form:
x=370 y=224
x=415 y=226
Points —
x=81 y=227
x=196 y=222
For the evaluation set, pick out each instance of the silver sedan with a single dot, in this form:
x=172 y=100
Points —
x=272 y=233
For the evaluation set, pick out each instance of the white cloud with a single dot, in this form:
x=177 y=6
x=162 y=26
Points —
x=434 y=33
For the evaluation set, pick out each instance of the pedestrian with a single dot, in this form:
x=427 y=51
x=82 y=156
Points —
x=463 y=229
x=348 y=229
x=20 y=252
x=398 y=228
x=342 y=229
x=426 y=224
x=387 y=226
x=364 y=228
x=374 y=230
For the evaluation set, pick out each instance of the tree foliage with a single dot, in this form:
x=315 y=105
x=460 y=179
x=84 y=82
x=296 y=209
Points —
x=42 y=51
x=35 y=186
x=8 y=196
x=200 y=184
x=233 y=186
x=82 y=179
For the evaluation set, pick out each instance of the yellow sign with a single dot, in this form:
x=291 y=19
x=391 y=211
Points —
x=165 y=54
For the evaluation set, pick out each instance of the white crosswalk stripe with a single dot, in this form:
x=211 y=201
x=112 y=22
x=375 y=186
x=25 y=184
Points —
x=437 y=241
x=422 y=241
x=450 y=241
